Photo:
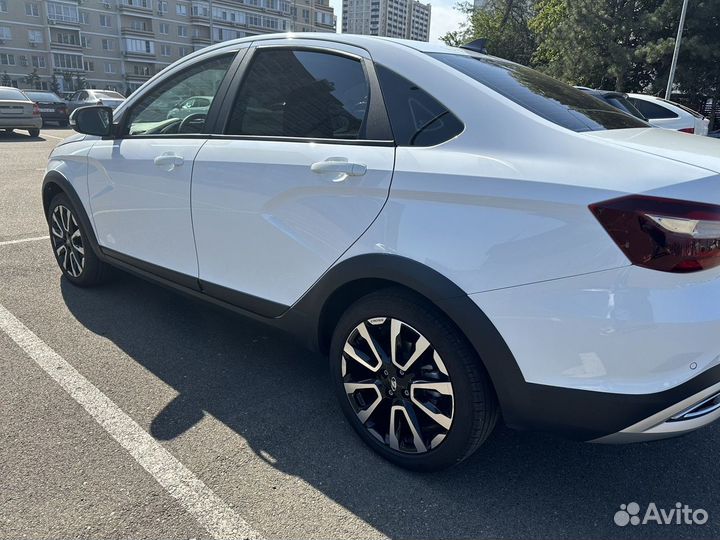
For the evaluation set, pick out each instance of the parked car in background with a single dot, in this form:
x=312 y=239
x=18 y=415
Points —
x=85 y=98
x=619 y=100
x=52 y=107
x=17 y=111
x=193 y=105
x=669 y=115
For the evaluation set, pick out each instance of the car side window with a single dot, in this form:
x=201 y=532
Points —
x=651 y=110
x=158 y=112
x=417 y=118
x=301 y=93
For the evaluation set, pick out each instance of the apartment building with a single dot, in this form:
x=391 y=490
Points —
x=408 y=19
x=67 y=45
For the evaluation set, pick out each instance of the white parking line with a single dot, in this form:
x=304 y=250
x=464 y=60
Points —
x=21 y=240
x=208 y=509
x=53 y=136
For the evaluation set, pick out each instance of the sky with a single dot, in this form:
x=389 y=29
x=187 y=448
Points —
x=444 y=17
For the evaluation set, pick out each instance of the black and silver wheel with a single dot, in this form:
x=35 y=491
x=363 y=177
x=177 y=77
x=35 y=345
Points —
x=77 y=260
x=409 y=382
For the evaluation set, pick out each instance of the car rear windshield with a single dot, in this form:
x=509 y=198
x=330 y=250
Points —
x=109 y=95
x=12 y=93
x=623 y=103
x=553 y=100
x=42 y=96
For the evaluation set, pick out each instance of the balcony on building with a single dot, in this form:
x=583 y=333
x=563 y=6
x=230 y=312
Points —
x=200 y=34
x=62 y=14
x=65 y=39
x=135 y=6
x=136 y=26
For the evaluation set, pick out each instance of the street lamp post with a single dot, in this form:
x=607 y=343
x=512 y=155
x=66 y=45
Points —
x=673 y=65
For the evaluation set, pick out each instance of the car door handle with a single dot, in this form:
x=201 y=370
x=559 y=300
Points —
x=339 y=166
x=169 y=159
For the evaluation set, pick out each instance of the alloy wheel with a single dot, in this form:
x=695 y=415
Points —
x=67 y=241
x=398 y=385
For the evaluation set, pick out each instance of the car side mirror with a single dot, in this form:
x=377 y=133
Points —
x=96 y=120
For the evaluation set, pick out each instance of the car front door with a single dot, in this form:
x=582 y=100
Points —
x=139 y=182
x=303 y=168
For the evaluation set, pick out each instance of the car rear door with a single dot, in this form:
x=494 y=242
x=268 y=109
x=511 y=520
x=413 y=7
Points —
x=302 y=169
x=139 y=181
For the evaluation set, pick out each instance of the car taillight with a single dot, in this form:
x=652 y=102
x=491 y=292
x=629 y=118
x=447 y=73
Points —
x=663 y=234
x=687 y=130
x=36 y=110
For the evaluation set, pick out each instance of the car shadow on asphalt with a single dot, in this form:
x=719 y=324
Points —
x=278 y=397
x=16 y=137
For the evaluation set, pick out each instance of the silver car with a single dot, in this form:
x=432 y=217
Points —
x=193 y=105
x=86 y=98
x=17 y=111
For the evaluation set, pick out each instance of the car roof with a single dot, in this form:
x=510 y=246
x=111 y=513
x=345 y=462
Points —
x=348 y=39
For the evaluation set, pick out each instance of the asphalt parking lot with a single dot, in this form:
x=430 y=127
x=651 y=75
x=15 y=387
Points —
x=250 y=415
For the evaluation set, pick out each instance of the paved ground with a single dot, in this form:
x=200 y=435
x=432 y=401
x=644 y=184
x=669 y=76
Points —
x=251 y=415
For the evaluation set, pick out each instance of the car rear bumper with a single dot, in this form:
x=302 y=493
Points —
x=21 y=123
x=615 y=353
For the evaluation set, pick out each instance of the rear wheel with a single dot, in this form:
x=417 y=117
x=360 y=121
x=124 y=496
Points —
x=34 y=132
x=76 y=258
x=409 y=383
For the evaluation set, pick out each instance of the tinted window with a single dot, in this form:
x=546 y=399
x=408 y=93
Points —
x=42 y=96
x=416 y=117
x=555 y=101
x=296 y=93
x=157 y=111
x=11 y=93
x=652 y=110
x=623 y=103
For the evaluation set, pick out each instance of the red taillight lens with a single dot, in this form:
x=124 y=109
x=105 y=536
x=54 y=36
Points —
x=687 y=130
x=36 y=110
x=663 y=234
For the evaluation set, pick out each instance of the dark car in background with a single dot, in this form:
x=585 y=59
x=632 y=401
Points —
x=52 y=107
x=86 y=98
x=619 y=100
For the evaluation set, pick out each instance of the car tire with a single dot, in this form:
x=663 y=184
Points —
x=34 y=132
x=75 y=256
x=441 y=407
x=63 y=123
x=9 y=130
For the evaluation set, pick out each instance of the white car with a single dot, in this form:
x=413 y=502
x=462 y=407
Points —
x=670 y=115
x=17 y=111
x=463 y=236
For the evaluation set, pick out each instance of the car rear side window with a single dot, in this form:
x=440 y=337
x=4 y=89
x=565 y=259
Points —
x=548 y=98
x=417 y=118
x=303 y=94
x=11 y=93
x=652 y=110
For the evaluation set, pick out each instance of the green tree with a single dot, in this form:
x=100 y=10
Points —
x=503 y=23
x=5 y=79
x=698 y=70
x=32 y=79
x=595 y=42
x=54 y=84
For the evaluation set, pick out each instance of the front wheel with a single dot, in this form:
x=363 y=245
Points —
x=34 y=132
x=409 y=382
x=73 y=253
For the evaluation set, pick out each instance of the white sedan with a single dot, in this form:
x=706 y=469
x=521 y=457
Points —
x=465 y=238
x=17 y=111
x=670 y=115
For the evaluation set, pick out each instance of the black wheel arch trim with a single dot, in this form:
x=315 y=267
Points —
x=53 y=183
